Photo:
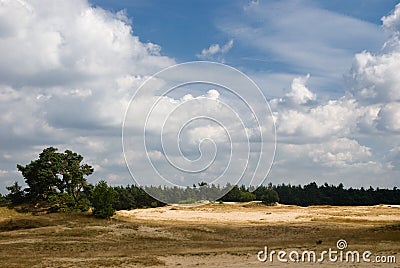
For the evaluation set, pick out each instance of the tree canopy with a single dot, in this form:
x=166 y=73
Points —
x=56 y=173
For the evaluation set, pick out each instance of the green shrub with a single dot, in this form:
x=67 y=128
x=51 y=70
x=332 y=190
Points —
x=269 y=196
x=103 y=198
x=247 y=197
x=16 y=195
x=83 y=204
x=61 y=202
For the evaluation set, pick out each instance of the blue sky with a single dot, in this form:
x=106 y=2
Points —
x=68 y=72
x=184 y=28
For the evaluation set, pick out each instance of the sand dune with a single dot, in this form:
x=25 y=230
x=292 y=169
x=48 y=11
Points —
x=254 y=213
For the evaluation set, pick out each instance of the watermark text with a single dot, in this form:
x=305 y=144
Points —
x=338 y=254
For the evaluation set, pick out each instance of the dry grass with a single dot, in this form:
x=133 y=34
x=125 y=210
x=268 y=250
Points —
x=6 y=213
x=79 y=240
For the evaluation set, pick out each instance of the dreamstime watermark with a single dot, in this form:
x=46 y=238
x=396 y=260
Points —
x=195 y=123
x=338 y=254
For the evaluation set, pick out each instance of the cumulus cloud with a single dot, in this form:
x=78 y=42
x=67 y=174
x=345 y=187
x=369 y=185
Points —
x=374 y=78
x=329 y=132
x=388 y=118
x=341 y=153
x=192 y=132
x=61 y=42
x=392 y=22
x=300 y=115
x=67 y=72
x=393 y=158
x=213 y=94
x=337 y=117
x=299 y=93
x=215 y=51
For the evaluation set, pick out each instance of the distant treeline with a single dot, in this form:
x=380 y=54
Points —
x=131 y=196
x=136 y=197
x=312 y=194
x=204 y=191
x=307 y=195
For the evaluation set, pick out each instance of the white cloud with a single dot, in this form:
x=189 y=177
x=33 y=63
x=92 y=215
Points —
x=338 y=160
x=67 y=72
x=301 y=36
x=61 y=42
x=299 y=93
x=341 y=153
x=374 y=81
x=215 y=51
x=392 y=22
x=210 y=120
x=388 y=118
x=337 y=117
x=327 y=135
x=374 y=78
x=213 y=94
x=393 y=158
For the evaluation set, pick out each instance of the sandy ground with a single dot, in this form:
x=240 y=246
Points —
x=255 y=213
x=212 y=235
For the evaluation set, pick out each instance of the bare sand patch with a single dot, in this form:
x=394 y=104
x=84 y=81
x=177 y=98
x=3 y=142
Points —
x=247 y=214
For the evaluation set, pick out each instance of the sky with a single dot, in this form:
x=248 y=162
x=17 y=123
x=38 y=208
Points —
x=71 y=71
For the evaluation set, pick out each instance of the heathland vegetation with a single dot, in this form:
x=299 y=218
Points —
x=56 y=182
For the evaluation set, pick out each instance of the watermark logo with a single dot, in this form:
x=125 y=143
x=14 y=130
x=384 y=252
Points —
x=195 y=124
x=341 y=244
x=334 y=255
